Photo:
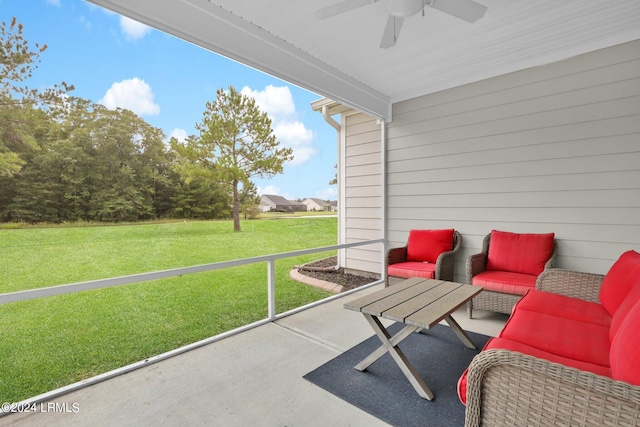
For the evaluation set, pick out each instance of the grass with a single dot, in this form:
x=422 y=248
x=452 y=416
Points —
x=51 y=342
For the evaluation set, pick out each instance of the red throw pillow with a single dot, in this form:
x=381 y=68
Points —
x=617 y=319
x=427 y=245
x=524 y=253
x=617 y=283
x=624 y=355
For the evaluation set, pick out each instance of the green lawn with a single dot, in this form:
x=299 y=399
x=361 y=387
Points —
x=48 y=343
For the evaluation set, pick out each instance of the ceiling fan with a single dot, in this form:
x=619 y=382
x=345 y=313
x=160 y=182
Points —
x=466 y=10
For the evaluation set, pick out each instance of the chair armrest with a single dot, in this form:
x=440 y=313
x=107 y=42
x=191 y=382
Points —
x=575 y=284
x=510 y=388
x=396 y=255
x=475 y=264
x=445 y=263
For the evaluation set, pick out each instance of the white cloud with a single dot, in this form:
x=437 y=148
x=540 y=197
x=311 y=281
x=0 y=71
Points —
x=133 y=94
x=133 y=30
x=179 y=134
x=278 y=103
x=269 y=189
x=330 y=193
x=297 y=137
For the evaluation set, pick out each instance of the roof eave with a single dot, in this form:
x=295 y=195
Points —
x=215 y=29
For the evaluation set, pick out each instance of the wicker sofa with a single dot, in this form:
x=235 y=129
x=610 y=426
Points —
x=428 y=253
x=568 y=355
x=507 y=268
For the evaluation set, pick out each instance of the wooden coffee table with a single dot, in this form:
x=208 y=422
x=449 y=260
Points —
x=419 y=304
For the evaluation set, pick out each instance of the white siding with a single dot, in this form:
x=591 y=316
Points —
x=362 y=207
x=548 y=149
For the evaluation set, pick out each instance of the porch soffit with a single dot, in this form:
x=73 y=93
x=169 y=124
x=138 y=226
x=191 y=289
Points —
x=340 y=58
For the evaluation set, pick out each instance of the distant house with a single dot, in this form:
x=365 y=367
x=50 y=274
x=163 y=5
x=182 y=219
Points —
x=317 y=204
x=274 y=203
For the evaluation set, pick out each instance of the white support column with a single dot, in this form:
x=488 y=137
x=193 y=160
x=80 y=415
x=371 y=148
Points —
x=342 y=192
x=271 y=294
x=383 y=213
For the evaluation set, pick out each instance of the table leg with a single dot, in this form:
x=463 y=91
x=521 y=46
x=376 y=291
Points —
x=460 y=332
x=382 y=350
x=398 y=356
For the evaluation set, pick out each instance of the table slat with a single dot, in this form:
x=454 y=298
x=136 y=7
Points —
x=432 y=293
x=380 y=307
x=430 y=315
x=366 y=300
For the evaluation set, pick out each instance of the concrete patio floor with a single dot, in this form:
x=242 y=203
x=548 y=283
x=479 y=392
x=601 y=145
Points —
x=253 y=378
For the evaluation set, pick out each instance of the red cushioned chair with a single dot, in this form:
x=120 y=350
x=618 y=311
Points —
x=508 y=267
x=428 y=254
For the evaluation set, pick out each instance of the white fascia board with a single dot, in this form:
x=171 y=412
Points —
x=215 y=29
x=333 y=106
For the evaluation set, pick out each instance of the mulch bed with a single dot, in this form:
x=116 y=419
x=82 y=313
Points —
x=324 y=269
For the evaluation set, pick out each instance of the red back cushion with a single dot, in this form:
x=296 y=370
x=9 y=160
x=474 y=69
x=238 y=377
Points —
x=617 y=283
x=523 y=253
x=427 y=245
x=623 y=311
x=624 y=355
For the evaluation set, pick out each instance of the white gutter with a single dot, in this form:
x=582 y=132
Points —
x=330 y=120
x=338 y=127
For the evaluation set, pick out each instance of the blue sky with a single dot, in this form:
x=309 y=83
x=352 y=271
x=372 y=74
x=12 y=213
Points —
x=118 y=62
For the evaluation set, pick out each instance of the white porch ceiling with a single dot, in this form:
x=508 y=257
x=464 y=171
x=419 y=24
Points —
x=340 y=57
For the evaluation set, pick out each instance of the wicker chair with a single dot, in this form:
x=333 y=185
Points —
x=506 y=388
x=443 y=266
x=492 y=300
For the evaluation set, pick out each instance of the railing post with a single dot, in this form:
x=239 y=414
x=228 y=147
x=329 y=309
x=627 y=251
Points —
x=271 y=281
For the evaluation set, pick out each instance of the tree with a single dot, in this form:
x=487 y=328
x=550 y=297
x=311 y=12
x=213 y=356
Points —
x=92 y=164
x=17 y=101
x=128 y=156
x=63 y=158
x=237 y=136
x=197 y=198
x=199 y=193
x=249 y=200
x=48 y=177
x=334 y=181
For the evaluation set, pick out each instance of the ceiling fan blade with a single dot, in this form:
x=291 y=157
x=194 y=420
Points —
x=391 y=31
x=466 y=10
x=342 y=7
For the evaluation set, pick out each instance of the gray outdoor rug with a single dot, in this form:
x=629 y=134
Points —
x=383 y=390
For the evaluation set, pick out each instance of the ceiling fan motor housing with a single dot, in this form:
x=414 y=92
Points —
x=404 y=8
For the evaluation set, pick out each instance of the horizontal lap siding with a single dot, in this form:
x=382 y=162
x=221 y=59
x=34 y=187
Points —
x=553 y=148
x=363 y=192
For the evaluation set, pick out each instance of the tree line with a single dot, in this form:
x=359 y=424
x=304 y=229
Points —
x=66 y=159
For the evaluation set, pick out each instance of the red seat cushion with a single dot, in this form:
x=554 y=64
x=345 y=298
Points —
x=503 y=343
x=523 y=253
x=617 y=283
x=505 y=282
x=427 y=245
x=625 y=351
x=572 y=339
x=412 y=269
x=564 y=306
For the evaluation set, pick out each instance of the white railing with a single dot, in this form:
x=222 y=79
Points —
x=136 y=278
x=163 y=274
